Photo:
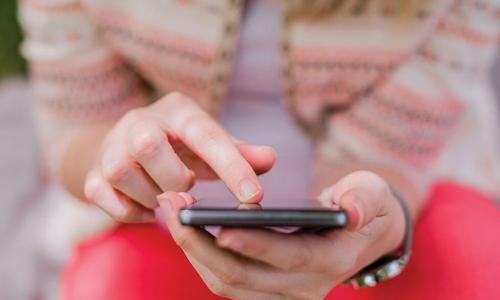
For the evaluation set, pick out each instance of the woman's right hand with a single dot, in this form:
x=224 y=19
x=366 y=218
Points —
x=165 y=147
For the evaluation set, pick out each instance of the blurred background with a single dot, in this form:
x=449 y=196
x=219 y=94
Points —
x=27 y=269
x=11 y=62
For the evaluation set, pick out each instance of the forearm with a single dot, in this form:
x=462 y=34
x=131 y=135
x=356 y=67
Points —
x=80 y=156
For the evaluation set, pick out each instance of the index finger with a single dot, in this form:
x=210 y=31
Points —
x=205 y=137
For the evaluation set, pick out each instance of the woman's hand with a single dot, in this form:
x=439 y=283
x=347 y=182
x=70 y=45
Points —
x=164 y=147
x=260 y=264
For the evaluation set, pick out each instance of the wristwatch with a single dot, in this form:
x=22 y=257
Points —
x=388 y=266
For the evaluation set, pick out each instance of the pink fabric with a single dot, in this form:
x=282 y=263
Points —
x=455 y=257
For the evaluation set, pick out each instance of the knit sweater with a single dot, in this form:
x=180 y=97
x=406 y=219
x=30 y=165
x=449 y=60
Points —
x=367 y=86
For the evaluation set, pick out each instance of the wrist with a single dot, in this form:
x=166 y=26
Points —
x=80 y=156
x=397 y=228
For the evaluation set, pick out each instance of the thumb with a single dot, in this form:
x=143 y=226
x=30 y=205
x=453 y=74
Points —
x=364 y=196
x=261 y=158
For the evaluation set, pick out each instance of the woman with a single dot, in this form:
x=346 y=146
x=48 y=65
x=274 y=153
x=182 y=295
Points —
x=395 y=97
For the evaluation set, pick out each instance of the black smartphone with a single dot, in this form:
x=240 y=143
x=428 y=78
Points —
x=303 y=214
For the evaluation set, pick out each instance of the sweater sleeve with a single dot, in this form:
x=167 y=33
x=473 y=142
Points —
x=407 y=121
x=76 y=79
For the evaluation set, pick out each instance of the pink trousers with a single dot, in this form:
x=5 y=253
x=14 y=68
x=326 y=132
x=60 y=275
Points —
x=456 y=255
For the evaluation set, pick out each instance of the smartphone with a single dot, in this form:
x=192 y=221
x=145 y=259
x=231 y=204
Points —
x=270 y=213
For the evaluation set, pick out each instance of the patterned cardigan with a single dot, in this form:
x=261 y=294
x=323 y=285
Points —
x=410 y=93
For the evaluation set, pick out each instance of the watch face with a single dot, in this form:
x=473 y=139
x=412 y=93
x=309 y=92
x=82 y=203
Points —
x=392 y=269
x=367 y=280
x=386 y=269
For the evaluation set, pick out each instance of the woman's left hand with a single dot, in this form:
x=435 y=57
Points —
x=261 y=264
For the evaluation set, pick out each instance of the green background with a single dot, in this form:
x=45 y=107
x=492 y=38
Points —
x=11 y=62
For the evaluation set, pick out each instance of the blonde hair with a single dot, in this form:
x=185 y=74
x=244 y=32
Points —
x=315 y=9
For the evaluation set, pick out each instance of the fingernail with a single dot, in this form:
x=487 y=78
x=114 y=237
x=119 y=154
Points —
x=356 y=215
x=162 y=198
x=326 y=196
x=164 y=201
x=267 y=148
x=248 y=189
x=189 y=200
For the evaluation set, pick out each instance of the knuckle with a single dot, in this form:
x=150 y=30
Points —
x=218 y=287
x=232 y=275
x=182 y=241
x=128 y=216
x=183 y=181
x=297 y=263
x=255 y=250
x=116 y=171
x=91 y=188
x=131 y=214
x=237 y=169
x=189 y=183
x=345 y=265
x=149 y=202
x=144 y=143
x=356 y=196
x=301 y=259
x=206 y=134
